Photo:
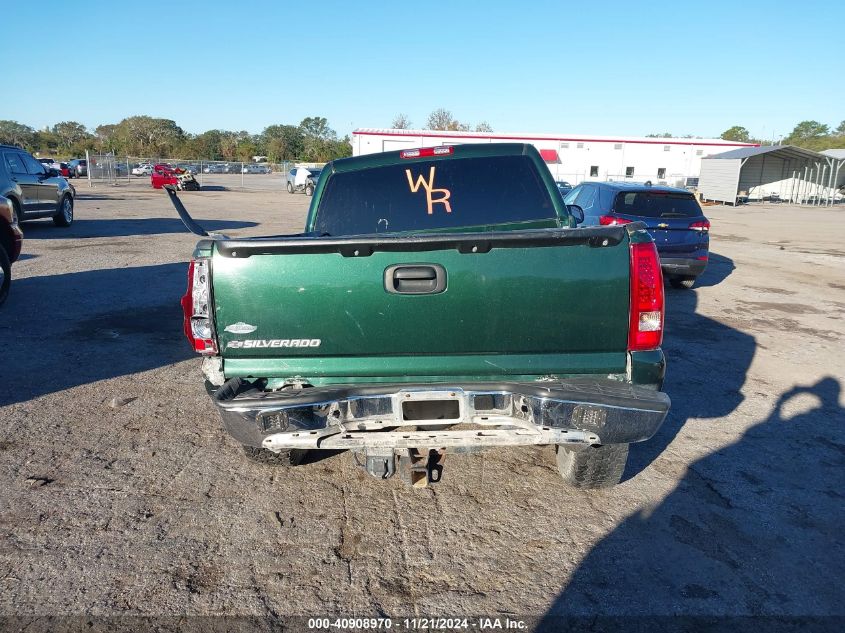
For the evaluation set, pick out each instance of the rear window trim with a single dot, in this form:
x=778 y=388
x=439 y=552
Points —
x=553 y=213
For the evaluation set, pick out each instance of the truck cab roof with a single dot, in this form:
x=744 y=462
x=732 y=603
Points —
x=492 y=187
x=470 y=150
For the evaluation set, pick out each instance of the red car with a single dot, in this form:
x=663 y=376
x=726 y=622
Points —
x=166 y=174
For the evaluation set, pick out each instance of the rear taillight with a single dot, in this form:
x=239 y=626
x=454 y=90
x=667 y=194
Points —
x=645 y=330
x=612 y=220
x=196 y=308
x=423 y=152
x=702 y=225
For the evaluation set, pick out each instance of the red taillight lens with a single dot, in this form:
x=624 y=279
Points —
x=196 y=308
x=703 y=225
x=427 y=151
x=645 y=330
x=612 y=220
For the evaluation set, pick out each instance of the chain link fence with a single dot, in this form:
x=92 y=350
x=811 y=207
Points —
x=221 y=175
x=212 y=175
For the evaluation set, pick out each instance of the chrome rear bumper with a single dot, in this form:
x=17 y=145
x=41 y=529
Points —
x=441 y=415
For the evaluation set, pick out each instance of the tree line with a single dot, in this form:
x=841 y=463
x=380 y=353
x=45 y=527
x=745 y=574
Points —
x=807 y=134
x=313 y=140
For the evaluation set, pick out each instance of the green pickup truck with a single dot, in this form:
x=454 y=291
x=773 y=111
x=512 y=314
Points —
x=440 y=300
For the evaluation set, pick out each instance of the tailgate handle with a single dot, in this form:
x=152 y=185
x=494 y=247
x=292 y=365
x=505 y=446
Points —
x=415 y=279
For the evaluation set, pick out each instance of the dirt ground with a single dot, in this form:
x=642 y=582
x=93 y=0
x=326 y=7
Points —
x=121 y=494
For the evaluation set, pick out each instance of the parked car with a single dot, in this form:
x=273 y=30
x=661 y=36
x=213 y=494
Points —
x=252 y=168
x=672 y=216
x=310 y=182
x=214 y=168
x=11 y=240
x=62 y=168
x=563 y=186
x=78 y=168
x=167 y=174
x=479 y=316
x=142 y=169
x=35 y=190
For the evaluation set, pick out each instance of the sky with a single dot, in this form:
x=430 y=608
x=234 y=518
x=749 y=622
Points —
x=603 y=68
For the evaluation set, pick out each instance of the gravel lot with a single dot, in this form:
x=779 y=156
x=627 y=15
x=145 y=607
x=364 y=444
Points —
x=121 y=494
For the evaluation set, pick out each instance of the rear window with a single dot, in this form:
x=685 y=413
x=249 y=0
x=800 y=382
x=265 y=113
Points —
x=434 y=194
x=655 y=204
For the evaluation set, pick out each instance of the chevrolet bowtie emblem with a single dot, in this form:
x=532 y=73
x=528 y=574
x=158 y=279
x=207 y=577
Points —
x=662 y=226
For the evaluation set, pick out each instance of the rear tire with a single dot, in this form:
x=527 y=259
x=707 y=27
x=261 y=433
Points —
x=64 y=214
x=290 y=457
x=6 y=271
x=592 y=467
x=290 y=187
x=682 y=283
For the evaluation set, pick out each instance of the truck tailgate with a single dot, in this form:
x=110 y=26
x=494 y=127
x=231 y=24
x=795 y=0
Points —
x=561 y=293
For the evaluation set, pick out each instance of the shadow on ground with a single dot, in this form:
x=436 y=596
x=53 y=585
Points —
x=94 y=196
x=60 y=331
x=124 y=227
x=718 y=269
x=752 y=533
x=695 y=346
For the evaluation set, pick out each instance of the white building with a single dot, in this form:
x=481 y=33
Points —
x=572 y=157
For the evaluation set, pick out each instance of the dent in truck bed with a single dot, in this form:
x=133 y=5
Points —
x=486 y=322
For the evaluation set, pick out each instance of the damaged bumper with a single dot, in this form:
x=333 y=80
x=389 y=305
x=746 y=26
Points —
x=436 y=416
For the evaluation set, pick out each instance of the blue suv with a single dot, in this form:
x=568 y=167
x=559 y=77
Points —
x=672 y=216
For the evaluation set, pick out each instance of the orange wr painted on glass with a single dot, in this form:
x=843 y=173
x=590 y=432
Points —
x=429 y=190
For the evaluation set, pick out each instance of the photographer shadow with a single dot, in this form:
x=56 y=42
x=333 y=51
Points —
x=752 y=529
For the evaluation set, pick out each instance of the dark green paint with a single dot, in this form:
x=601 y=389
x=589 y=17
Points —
x=566 y=299
x=515 y=313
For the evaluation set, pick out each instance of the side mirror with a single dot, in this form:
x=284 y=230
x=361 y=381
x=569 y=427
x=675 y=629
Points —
x=576 y=212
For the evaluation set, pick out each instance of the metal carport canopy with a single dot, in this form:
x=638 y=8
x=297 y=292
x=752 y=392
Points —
x=785 y=151
x=813 y=181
